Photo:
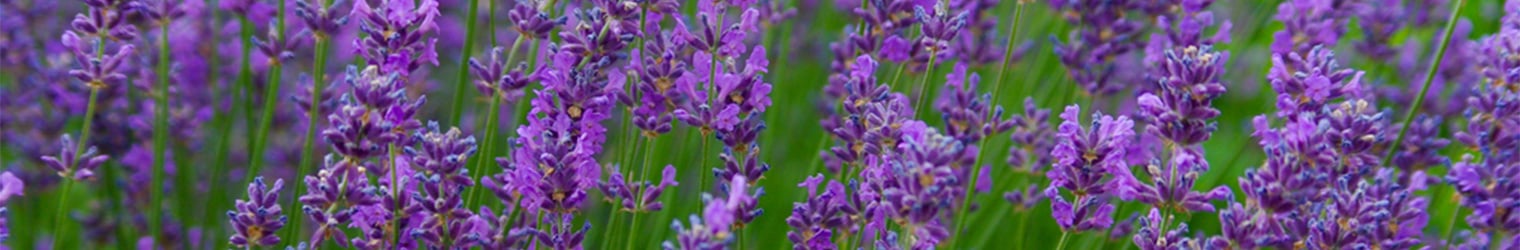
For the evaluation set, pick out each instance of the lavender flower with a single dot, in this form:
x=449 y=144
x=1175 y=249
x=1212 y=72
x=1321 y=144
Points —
x=705 y=233
x=9 y=186
x=1421 y=147
x=918 y=186
x=1154 y=235
x=1032 y=137
x=1171 y=187
x=257 y=219
x=494 y=78
x=321 y=21
x=442 y=180
x=969 y=117
x=337 y=192
x=1308 y=24
x=637 y=196
x=812 y=220
x=396 y=34
x=1085 y=162
x=1307 y=82
x=1379 y=20
x=72 y=164
x=532 y=23
x=1181 y=110
x=1090 y=52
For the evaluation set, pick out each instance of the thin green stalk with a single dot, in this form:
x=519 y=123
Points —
x=160 y=133
x=923 y=85
x=1062 y=244
x=464 y=60
x=997 y=87
x=612 y=223
x=1451 y=221
x=271 y=102
x=313 y=118
x=396 y=189
x=218 y=193
x=643 y=169
x=492 y=122
x=1430 y=75
x=63 y=200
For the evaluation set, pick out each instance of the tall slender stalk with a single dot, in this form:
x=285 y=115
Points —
x=271 y=101
x=160 y=130
x=464 y=61
x=313 y=119
x=218 y=194
x=961 y=216
x=923 y=85
x=648 y=151
x=1430 y=75
x=492 y=121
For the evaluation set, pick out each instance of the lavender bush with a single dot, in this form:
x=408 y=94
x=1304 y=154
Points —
x=772 y=124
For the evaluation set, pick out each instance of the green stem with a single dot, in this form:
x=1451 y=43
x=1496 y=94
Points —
x=218 y=194
x=396 y=189
x=160 y=134
x=1451 y=221
x=313 y=118
x=464 y=60
x=923 y=85
x=643 y=174
x=1430 y=75
x=492 y=122
x=1064 y=235
x=68 y=185
x=271 y=101
x=1013 y=35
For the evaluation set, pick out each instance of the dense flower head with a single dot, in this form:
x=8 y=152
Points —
x=1379 y=20
x=939 y=28
x=1488 y=187
x=968 y=116
x=1308 y=24
x=1290 y=177
x=1185 y=30
x=441 y=179
x=1032 y=137
x=321 y=20
x=334 y=197
x=1307 y=82
x=73 y=164
x=1085 y=162
x=1355 y=131
x=1090 y=52
x=257 y=219
x=919 y=185
x=98 y=71
x=558 y=164
x=1171 y=185
x=1422 y=146
x=531 y=22
x=374 y=115
x=813 y=221
x=1181 y=109
x=637 y=196
x=713 y=230
x=397 y=34
x=497 y=79
x=662 y=75
x=1154 y=234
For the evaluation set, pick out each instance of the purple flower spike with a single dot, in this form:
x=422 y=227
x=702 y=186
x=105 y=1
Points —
x=1379 y=20
x=321 y=20
x=257 y=219
x=72 y=164
x=637 y=196
x=9 y=186
x=493 y=78
x=397 y=34
x=1151 y=237
x=1033 y=137
x=1307 y=82
x=532 y=23
x=1181 y=110
x=1171 y=187
x=336 y=193
x=813 y=220
x=968 y=116
x=1308 y=24
x=1090 y=52
x=1089 y=164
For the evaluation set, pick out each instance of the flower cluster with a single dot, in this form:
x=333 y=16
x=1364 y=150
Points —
x=441 y=180
x=1486 y=181
x=1091 y=52
x=257 y=219
x=1087 y=161
x=637 y=196
x=397 y=34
